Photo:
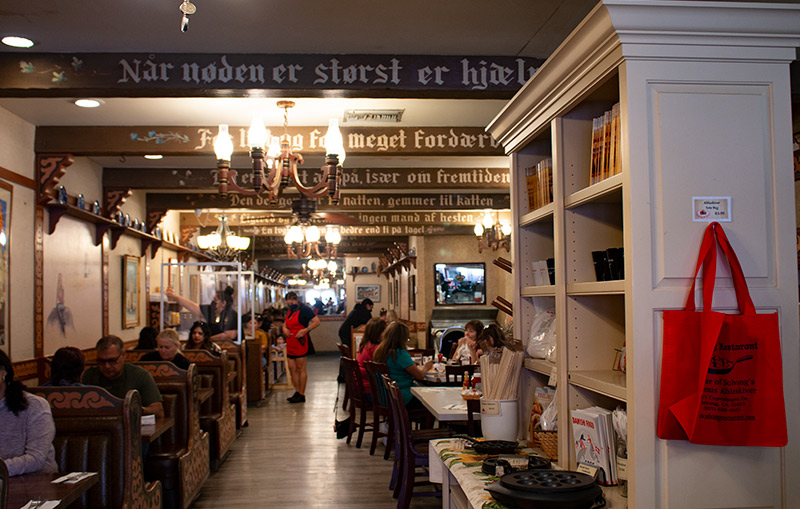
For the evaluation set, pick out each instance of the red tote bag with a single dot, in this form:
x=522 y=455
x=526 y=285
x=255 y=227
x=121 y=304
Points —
x=721 y=374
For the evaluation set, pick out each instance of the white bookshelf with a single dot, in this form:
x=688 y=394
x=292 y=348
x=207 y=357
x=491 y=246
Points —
x=705 y=104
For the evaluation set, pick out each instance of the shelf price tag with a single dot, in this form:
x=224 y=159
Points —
x=711 y=208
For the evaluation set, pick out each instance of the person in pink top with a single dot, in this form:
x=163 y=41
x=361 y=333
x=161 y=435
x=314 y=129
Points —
x=373 y=332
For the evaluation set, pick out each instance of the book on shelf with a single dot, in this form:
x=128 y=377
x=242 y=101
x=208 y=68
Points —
x=606 y=140
x=593 y=436
x=539 y=181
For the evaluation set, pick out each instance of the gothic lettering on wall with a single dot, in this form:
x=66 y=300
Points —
x=352 y=178
x=205 y=74
x=183 y=140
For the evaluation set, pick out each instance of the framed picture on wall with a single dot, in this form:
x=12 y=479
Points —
x=130 y=291
x=5 y=256
x=396 y=293
x=372 y=292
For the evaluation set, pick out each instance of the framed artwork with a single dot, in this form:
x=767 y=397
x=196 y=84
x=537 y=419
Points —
x=194 y=287
x=396 y=293
x=412 y=292
x=130 y=291
x=5 y=256
x=372 y=292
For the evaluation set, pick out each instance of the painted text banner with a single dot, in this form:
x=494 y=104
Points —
x=182 y=140
x=352 y=178
x=197 y=74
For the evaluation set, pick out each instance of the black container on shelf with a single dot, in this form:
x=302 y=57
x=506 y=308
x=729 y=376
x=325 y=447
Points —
x=96 y=207
x=551 y=270
x=601 y=269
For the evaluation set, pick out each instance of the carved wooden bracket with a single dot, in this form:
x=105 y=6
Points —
x=113 y=200
x=49 y=170
x=153 y=218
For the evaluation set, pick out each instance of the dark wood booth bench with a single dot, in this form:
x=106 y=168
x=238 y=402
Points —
x=237 y=388
x=180 y=457
x=96 y=432
x=217 y=413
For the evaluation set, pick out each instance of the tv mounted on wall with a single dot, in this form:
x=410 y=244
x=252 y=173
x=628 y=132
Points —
x=459 y=283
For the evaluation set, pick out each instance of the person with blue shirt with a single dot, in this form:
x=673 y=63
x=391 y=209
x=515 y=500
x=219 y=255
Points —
x=402 y=369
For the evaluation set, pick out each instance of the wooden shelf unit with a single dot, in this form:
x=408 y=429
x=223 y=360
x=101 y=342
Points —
x=685 y=94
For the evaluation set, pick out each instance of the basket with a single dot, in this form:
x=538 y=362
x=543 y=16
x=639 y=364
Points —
x=548 y=442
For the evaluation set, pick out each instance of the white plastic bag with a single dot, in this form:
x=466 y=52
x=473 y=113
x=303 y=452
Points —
x=543 y=330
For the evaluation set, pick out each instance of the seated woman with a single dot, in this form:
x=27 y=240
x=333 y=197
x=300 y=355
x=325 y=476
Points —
x=392 y=352
x=466 y=350
x=200 y=339
x=66 y=367
x=168 y=345
x=26 y=426
x=369 y=343
x=219 y=315
x=147 y=339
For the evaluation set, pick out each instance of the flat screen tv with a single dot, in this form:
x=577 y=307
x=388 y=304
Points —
x=459 y=283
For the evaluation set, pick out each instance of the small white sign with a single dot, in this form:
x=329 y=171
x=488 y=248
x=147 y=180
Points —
x=490 y=407
x=711 y=208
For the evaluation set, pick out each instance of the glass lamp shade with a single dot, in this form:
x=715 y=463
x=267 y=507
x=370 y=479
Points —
x=274 y=147
x=487 y=220
x=312 y=233
x=257 y=134
x=293 y=234
x=505 y=228
x=332 y=235
x=332 y=266
x=334 y=144
x=223 y=147
x=214 y=240
x=202 y=242
x=478 y=229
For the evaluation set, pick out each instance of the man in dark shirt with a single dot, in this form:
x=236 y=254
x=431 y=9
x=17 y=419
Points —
x=116 y=376
x=361 y=314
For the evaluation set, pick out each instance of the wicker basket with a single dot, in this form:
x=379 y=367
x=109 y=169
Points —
x=548 y=442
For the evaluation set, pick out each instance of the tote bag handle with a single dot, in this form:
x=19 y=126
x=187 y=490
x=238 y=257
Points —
x=708 y=259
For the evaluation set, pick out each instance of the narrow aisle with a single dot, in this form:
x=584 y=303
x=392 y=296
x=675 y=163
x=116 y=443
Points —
x=289 y=456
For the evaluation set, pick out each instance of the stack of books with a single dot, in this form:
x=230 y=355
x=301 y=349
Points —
x=606 y=157
x=540 y=184
x=593 y=436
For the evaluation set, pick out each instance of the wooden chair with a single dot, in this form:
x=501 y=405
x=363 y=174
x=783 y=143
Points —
x=356 y=335
x=473 y=426
x=278 y=357
x=96 y=432
x=358 y=404
x=180 y=457
x=412 y=454
x=454 y=375
x=421 y=351
x=3 y=485
x=257 y=382
x=381 y=408
x=344 y=351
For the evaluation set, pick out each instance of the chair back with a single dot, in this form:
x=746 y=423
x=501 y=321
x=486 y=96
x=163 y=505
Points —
x=344 y=350
x=380 y=398
x=454 y=375
x=402 y=424
x=3 y=485
x=355 y=384
x=473 y=426
x=356 y=335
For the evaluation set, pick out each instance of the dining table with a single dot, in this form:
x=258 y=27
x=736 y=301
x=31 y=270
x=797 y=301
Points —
x=444 y=403
x=39 y=486
x=150 y=432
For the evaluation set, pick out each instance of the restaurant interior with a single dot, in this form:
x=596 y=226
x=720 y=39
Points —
x=431 y=159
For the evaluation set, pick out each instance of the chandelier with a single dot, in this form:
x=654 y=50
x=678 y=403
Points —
x=491 y=233
x=303 y=241
x=319 y=273
x=272 y=174
x=223 y=243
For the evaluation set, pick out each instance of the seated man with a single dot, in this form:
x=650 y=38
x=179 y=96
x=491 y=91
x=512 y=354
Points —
x=116 y=376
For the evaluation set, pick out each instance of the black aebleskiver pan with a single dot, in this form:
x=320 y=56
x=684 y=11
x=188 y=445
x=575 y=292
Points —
x=490 y=447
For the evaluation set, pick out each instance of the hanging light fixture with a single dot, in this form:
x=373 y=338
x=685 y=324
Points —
x=274 y=169
x=304 y=240
x=492 y=233
x=223 y=243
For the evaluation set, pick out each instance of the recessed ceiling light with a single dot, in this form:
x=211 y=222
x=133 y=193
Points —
x=88 y=103
x=16 y=41
x=154 y=157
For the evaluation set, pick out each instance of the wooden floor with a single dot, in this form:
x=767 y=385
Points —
x=289 y=456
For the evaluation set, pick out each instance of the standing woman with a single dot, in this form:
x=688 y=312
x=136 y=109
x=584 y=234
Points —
x=26 y=426
x=299 y=322
x=220 y=315
x=200 y=339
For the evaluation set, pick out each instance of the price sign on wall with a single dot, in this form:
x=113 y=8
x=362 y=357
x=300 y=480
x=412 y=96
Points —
x=711 y=208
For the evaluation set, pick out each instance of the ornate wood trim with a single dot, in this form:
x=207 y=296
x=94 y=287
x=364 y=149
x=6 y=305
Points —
x=113 y=200
x=104 y=249
x=49 y=170
x=38 y=281
x=154 y=217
